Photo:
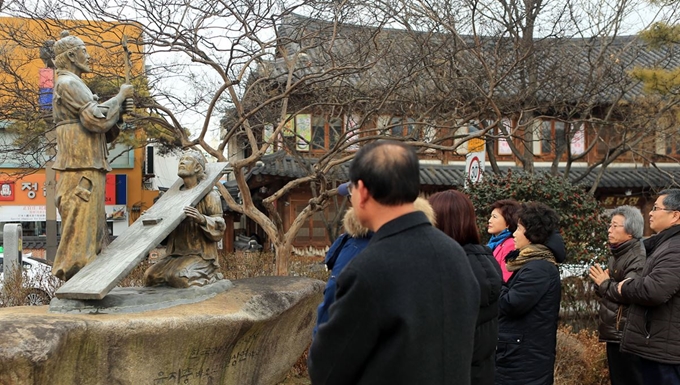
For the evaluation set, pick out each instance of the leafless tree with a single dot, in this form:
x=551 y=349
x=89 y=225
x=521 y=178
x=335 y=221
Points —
x=419 y=71
x=565 y=61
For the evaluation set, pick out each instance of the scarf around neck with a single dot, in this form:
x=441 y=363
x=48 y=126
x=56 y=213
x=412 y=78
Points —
x=531 y=252
x=498 y=238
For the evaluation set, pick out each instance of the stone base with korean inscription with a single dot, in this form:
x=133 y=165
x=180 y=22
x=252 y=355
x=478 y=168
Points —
x=251 y=334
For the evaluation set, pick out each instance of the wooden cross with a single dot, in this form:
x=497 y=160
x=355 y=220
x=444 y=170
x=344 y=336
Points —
x=122 y=255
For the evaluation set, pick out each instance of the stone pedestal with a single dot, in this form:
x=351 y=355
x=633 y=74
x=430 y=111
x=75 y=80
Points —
x=251 y=334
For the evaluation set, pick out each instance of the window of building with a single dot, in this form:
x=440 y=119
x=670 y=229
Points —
x=668 y=142
x=399 y=126
x=314 y=231
x=326 y=131
x=428 y=134
x=606 y=137
x=462 y=133
x=504 y=138
x=577 y=143
x=403 y=127
x=553 y=136
x=556 y=134
x=352 y=127
x=122 y=156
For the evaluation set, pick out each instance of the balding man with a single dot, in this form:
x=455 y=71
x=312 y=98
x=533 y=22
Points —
x=406 y=306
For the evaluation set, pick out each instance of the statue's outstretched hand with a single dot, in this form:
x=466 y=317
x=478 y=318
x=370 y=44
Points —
x=193 y=213
x=127 y=91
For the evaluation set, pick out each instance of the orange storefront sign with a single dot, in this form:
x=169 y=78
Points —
x=29 y=190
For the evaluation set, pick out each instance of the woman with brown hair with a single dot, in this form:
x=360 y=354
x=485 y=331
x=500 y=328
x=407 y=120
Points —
x=455 y=216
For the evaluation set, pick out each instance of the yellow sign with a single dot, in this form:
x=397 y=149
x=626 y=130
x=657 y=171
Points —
x=476 y=145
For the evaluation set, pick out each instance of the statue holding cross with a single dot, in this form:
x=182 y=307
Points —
x=84 y=126
x=191 y=248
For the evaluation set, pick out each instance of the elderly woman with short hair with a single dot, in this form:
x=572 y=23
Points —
x=626 y=261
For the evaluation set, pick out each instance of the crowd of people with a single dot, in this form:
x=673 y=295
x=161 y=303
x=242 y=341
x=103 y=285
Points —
x=414 y=297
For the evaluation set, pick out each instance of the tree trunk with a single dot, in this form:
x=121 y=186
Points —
x=283 y=252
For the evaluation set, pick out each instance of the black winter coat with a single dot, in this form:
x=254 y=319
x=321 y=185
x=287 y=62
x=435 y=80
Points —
x=404 y=313
x=529 y=307
x=626 y=261
x=490 y=279
x=653 y=327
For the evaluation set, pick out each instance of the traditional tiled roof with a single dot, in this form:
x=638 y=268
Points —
x=632 y=178
x=570 y=70
x=288 y=167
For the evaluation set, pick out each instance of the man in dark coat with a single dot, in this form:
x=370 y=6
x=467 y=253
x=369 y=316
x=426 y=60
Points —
x=627 y=260
x=653 y=328
x=406 y=306
x=348 y=246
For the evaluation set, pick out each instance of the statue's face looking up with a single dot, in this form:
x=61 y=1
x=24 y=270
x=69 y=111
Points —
x=188 y=166
x=80 y=58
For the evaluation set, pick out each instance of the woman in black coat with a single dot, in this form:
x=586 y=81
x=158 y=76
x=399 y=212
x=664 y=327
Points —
x=529 y=303
x=455 y=216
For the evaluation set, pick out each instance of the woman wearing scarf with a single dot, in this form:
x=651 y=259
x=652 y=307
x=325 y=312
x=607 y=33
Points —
x=529 y=303
x=502 y=223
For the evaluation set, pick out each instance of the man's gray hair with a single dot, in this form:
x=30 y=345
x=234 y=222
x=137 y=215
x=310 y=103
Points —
x=672 y=199
x=633 y=223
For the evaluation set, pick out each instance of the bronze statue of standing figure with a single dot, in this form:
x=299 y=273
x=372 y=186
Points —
x=191 y=248
x=84 y=126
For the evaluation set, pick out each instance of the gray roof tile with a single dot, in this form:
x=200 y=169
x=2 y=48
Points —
x=288 y=167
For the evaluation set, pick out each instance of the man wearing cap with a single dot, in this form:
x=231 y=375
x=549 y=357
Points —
x=84 y=126
x=405 y=308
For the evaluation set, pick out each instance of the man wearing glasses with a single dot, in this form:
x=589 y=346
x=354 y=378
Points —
x=653 y=327
x=405 y=308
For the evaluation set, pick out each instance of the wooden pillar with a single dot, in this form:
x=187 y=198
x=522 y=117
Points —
x=228 y=238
